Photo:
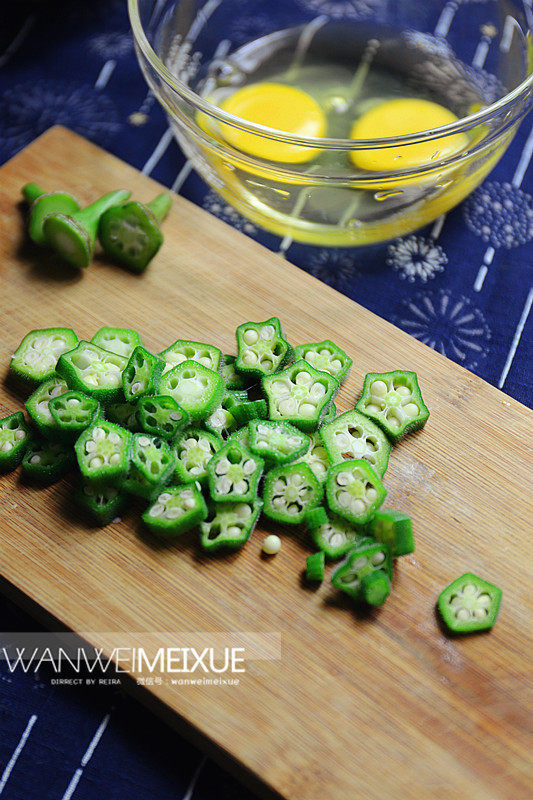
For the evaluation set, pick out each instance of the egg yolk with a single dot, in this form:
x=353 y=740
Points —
x=399 y=118
x=277 y=106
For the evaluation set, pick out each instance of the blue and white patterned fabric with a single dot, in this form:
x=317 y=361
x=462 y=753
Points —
x=462 y=286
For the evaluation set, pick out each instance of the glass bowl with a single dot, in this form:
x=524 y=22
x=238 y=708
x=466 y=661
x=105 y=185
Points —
x=473 y=58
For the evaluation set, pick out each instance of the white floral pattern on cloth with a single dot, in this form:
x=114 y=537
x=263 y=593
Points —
x=47 y=102
x=111 y=45
x=341 y=9
x=335 y=267
x=219 y=208
x=447 y=322
x=416 y=257
x=500 y=214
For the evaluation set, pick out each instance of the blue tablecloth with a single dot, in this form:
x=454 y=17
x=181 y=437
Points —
x=465 y=289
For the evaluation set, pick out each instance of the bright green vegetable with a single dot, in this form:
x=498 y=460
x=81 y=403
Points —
x=42 y=205
x=121 y=341
x=326 y=357
x=176 y=510
x=393 y=528
x=333 y=534
x=194 y=448
x=469 y=604
x=241 y=435
x=71 y=413
x=316 y=457
x=93 y=371
x=142 y=374
x=300 y=394
x=46 y=462
x=229 y=525
x=197 y=389
x=14 y=440
x=329 y=414
x=127 y=415
x=354 y=491
x=37 y=405
x=249 y=410
x=315 y=566
x=162 y=416
x=184 y=350
x=277 y=442
x=73 y=236
x=221 y=421
x=130 y=233
x=103 y=452
x=394 y=401
x=261 y=348
x=152 y=465
x=102 y=503
x=36 y=356
x=366 y=573
x=352 y=435
x=234 y=380
x=233 y=474
x=289 y=492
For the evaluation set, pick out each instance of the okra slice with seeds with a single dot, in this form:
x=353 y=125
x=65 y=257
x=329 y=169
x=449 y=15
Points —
x=194 y=449
x=197 y=389
x=333 y=534
x=184 y=350
x=326 y=357
x=121 y=341
x=316 y=457
x=289 y=492
x=469 y=604
x=72 y=412
x=229 y=525
x=176 y=510
x=161 y=416
x=242 y=435
x=102 y=503
x=36 y=356
x=394 y=401
x=103 y=452
x=366 y=573
x=234 y=380
x=393 y=528
x=354 y=491
x=127 y=415
x=315 y=566
x=142 y=374
x=277 y=442
x=15 y=437
x=351 y=436
x=37 y=405
x=300 y=394
x=261 y=348
x=234 y=473
x=152 y=465
x=94 y=371
x=42 y=204
x=46 y=462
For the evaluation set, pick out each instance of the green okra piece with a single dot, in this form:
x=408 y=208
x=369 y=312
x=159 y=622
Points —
x=125 y=414
x=234 y=473
x=42 y=204
x=289 y=492
x=229 y=525
x=277 y=442
x=194 y=448
x=251 y=409
x=151 y=467
x=234 y=380
x=207 y=355
x=15 y=437
x=394 y=401
x=176 y=510
x=300 y=394
x=366 y=573
x=37 y=405
x=94 y=371
x=354 y=491
x=329 y=414
x=46 y=462
x=130 y=233
x=393 y=528
x=102 y=503
x=241 y=435
x=121 y=341
x=222 y=421
x=316 y=457
x=103 y=452
x=36 y=357
x=469 y=604
x=162 y=416
x=326 y=357
x=142 y=374
x=71 y=413
x=261 y=348
x=197 y=389
x=315 y=566
x=353 y=435
x=333 y=534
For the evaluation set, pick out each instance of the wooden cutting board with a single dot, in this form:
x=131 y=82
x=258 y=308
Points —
x=358 y=707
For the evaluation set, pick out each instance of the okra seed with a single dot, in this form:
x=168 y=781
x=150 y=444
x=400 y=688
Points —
x=303 y=379
x=222 y=467
x=463 y=614
x=371 y=495
x=143 y=441
x=403 y=391
x=378 y=558
x=359 y=563
x=36 y=459
x=7 y=446
x=411 y=409
x=156 y=510
x=343 y=478
x=484 y=599
x=250 y=357
x=317 y=390
x=379 y=387
x=241 y=487
x=98 y=433
x=250 y=336
x=136 y=387
x=469 y=590
x=115 y=459
x=288 y=406
x=19 y=435
x=174 y=416
x=278 y=502
x=174 y=513
x=233 y=530
x=336 y=365
x=307 y=410
x=223 y=485
x=358 y=506
x=268 y=332
x=272 y=545
x=344 y=499
x=249 y=467
x=96 y=462
x=114 y=438
x=371 y=408
x=90 y=446
x=188 y=502
x=480 y=613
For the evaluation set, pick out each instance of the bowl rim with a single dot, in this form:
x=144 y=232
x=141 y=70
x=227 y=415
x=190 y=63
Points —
x=505 y=103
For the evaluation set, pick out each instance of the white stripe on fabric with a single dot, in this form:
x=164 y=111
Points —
x=16 y=753
x=516 y=339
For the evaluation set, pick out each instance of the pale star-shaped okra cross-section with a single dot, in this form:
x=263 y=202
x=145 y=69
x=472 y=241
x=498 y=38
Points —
x=176 y=509
x=331 y=533
x=94 y=371
x=316 y=457
x=326 y=357
x=300 y=395
x=194 y=449
x=394 y=401
x=103 y=452
x=366 y=573
x=289 y=492
x=195 y=388
x=152 y=465
x=14 y=440
x=277 y=442
x=354 y=491
x=234 y=473
x=469 y=604
x=229 y=525
x=184 y=350
x=121 y=341
x=37 y=405
x=36 y=356
x=353 y=435
x=261 y=347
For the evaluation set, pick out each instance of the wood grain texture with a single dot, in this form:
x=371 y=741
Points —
x=358 y=707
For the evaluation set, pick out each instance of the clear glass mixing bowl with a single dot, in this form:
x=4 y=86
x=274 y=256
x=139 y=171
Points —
x=473 y=57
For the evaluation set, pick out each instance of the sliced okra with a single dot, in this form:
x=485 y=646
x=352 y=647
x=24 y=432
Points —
x=36 y=356
x=221 y=421
x=42 y=205
x=194 y=448
x=352 y=435
x=234 y=473
x=315 y=566
x=127 y=415
x=102 y=503
x=176 y=510
x=152 y=465
x=261 y=348
x=234 y=380
x=161 y=416
x=94 y=371
x=229 y=525
x=329 y=414
x=142 y=374
x=289 y=492
x=251 y=409
x=14 y=440
x=103 y=452
x=130 y=233
x=46 y=462
x=72 y=412
x=354 y=491
x=300 y=394
x=184 y=350
x=469 y=604
x=242 y=435
x=333 y=534
x=366 y=573
x=393 y=528
x=121 y=341
x=37 y=405
x=326 y=357
x=277 y=442
x=316 y=457
x=394 y=401
x=197 y=389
